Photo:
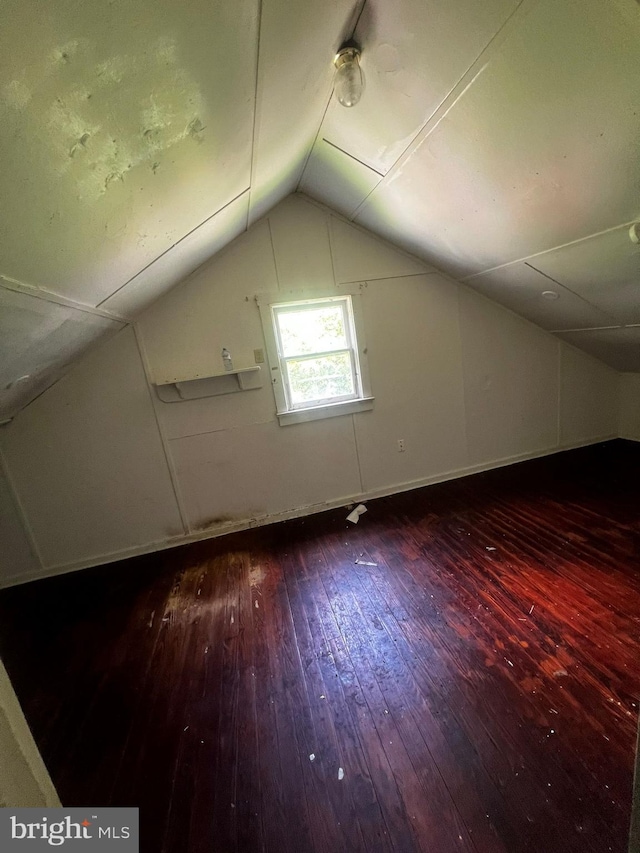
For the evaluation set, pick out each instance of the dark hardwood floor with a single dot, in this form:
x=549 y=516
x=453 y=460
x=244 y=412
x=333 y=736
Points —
x=467 y=656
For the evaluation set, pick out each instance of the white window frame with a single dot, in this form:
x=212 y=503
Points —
x=289 y=413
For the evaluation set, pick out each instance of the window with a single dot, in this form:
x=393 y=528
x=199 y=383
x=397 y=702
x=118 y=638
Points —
x=315 y=361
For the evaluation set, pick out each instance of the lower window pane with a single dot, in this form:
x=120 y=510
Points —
x=313 y=379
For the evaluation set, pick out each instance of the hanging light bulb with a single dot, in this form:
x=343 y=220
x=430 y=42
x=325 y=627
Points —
x=348 y=83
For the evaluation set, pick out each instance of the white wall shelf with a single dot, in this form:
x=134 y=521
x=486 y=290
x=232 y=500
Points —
x=174 y=389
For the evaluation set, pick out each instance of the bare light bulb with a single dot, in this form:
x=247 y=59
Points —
x=348 y=83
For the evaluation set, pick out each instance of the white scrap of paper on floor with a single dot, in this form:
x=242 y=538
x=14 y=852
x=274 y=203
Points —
x=354 y=516
x=340 y=774
x=365 y=563
x=312 y=757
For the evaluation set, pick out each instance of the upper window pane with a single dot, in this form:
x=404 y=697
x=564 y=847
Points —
x=312 y=330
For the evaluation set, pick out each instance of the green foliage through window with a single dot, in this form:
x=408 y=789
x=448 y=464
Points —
x=318 y=356
x=320 y=378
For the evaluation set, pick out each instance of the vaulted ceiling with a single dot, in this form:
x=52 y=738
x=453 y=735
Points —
x=495 y=140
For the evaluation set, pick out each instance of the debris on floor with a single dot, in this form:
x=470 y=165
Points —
x=559 y=673
x=354 y=515
x=531 y=611
x=365 y=563
x=340 y=774
x=312 y=757
x=490 y=548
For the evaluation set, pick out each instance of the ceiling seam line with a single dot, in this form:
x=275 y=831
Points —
x=353 y=157
x=437 y=117
x=64 y=369
x=572 y=292
x=315 y=139
x=524 y=260
x=58 y=299
x=324 y=113
x=254 y=155
x=588 y=329
x=170 y=248
x=425 y=131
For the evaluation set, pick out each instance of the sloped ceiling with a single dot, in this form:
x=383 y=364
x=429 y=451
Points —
x=496 y=140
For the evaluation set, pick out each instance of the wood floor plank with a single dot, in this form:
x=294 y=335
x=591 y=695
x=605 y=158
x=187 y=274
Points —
x=512 y=657
x=354 y=815
x=429 y=804
x=324 y=703
x=410 y=702
x=436 y=637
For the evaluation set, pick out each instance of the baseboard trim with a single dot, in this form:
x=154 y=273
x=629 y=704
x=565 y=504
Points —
x=299 y=512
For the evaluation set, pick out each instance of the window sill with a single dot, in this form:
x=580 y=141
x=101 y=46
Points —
x=332 y=410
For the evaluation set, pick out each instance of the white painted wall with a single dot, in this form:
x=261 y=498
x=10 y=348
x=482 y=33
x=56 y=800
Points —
x=88 y=464
x=16 y=554
x=510 y=383
x=413 y=337
x=630 y=406
x=589 y=393
x=103 y=468
x=24 y=779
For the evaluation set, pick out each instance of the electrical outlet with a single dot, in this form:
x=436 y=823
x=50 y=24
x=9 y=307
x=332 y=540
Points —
x=258 y=355
x=401 y=447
